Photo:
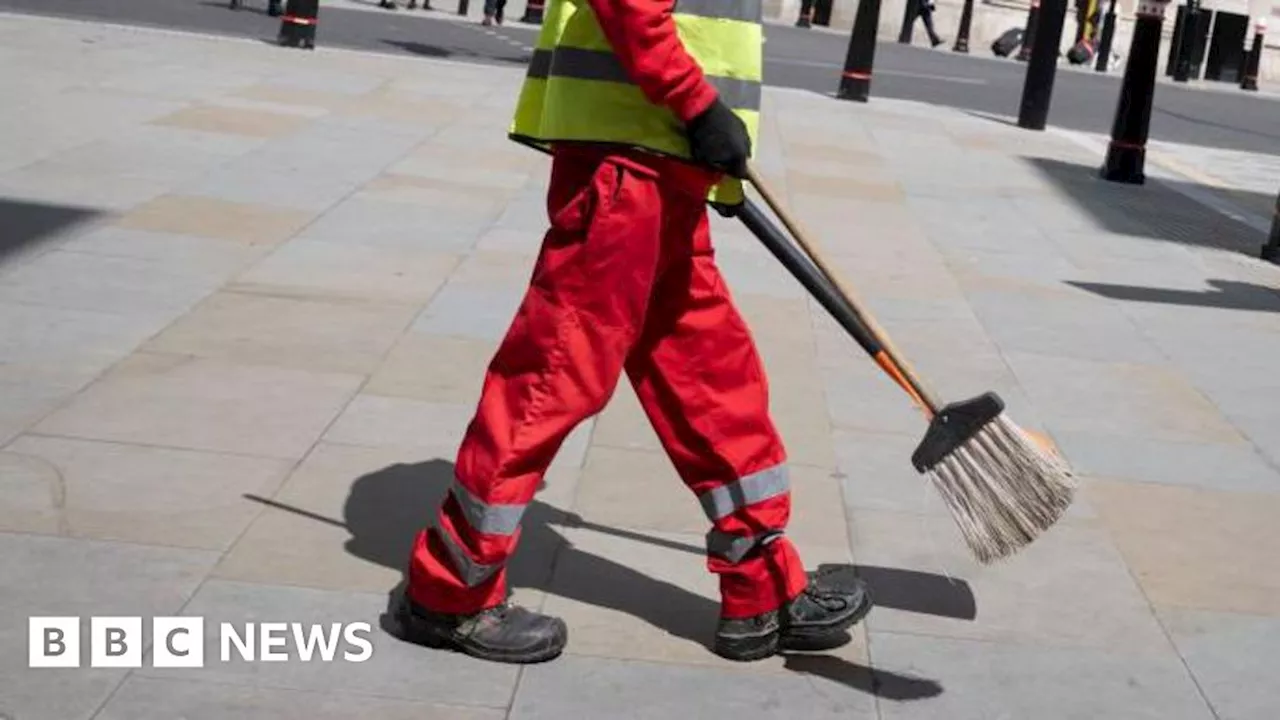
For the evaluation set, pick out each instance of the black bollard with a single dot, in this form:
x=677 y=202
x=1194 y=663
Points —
x=533 y=12
x=1127 y=152
x=1271 y=251
x=1029 y=35
x=1186 y=41
x=1037 y=87
x=298 y=25
x=463 y=7
x=1108 y=35
x=962 y=35
x=855 y=81
x=1253 y=63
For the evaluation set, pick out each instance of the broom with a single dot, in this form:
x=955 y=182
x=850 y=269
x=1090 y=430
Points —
x=1002 y=488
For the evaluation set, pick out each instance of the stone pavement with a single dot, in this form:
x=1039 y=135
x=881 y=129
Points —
x=247 y=295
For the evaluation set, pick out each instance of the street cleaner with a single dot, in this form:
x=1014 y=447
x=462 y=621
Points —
x=650 y=109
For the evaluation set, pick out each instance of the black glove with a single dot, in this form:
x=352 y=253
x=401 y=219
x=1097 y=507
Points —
x=719 y=138
x=726 y=210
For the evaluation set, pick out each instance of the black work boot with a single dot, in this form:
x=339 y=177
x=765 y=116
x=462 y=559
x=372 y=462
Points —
x=505 y=633
x=817 y=618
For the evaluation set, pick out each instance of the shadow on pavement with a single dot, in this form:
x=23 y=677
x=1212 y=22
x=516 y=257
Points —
x=24 y=223
x=436 y=51
x=1151 y=210
x=386 y=509
x=1226 y=295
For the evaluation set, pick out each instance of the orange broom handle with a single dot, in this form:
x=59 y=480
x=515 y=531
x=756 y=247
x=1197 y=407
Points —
x=889 y=359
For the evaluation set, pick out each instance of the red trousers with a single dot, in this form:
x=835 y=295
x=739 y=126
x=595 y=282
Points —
x=625 y=281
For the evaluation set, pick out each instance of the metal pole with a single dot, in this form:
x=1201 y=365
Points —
x=1253 y=63
x=855 y=81
x=1187 y=42
x=1127 y=152
x=1108 y=35
x=962 y=35
x=1037 y=87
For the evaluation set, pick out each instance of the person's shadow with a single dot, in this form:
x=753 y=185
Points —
x=387 y=508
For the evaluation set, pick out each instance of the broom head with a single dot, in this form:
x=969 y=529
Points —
x=1001 y=487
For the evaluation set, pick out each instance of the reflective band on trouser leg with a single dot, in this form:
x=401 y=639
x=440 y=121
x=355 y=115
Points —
x=757 y=487
x=490 y=519
x=759 y=568
x=471 y=572
x=734 y=548
x=461 y=555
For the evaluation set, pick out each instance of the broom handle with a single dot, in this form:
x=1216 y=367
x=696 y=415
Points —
x=889 y=359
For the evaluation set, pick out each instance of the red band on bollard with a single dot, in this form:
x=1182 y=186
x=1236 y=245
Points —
x=299 y=20
x=1127 y=145
x=857 y=75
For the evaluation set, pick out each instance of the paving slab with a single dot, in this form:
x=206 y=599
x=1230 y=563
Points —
x=1032 y=598
x=297 y=333
x=119 y=285
x=200 y=404
x=142 y=698
x=1215 y=558
x=349 y=272
x=47 y=576
x=981 y=680
x=592 y=687
x=1229 y=654
x=254 y=221
x=154 y=496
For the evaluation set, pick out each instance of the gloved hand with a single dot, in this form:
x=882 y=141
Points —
x=718 y=138
x=726 y=210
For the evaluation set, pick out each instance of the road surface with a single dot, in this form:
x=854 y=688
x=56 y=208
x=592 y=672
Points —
x=806 y=59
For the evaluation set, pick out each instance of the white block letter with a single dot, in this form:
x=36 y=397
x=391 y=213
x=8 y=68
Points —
x=178 y=642
x=307 y=644
x=115 y=642
x=244 y=645
x=53 y=642
x=268 y=642
x=366 y=647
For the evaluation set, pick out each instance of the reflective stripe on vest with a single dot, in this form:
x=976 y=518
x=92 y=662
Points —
x=604 y=65
x=576 y=90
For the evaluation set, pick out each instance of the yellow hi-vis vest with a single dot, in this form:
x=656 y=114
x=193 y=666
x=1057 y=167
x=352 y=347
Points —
x=576 y=90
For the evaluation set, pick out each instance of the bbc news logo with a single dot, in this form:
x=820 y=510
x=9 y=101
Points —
x=179 y=642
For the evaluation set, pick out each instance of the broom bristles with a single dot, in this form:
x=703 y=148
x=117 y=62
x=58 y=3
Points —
x=1002 y=489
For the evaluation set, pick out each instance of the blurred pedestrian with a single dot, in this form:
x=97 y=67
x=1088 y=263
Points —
x=493 y=10
x=924 y=9
x=412 y=5
x=806 y=14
